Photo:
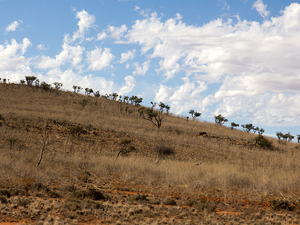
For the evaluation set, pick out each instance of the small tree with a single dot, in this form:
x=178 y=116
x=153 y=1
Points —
x=126 y=99
x=137 y=101
x=114 y=96
x=97 y=95
x=79 y=89
x=167 y=109
x=233 y=125
x=75 y=88
x=22 y=81
x=154 y=116
x=248 y=127
x=220 y=120
x=45 y=86
x=194 y=114
x=57 y=85
x=298 y=138
x=30 y=79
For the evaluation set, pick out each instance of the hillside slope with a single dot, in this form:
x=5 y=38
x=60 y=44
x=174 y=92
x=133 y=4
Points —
x=81 y=144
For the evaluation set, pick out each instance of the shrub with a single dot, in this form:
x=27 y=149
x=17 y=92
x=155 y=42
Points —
x=5 y=192
x=220 y=120
x=45 y=86
x=170 y=201
x=282 y=205
x=190 y=202
x=23 y=202
x=90 y=193
x=138 y=197
x=203 y=204
x=163 y=150
x=39 y=187
x=263 y=142
x=3 y=199
x=12 y=142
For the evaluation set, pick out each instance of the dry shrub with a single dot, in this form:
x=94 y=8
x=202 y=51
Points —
x=163 y=150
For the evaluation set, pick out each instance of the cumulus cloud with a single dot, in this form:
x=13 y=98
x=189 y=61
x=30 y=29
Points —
x=99 y=59
x=69 y=54
x=13 y=26
x=130 y=83
x=116 y=32
x=14 y=65
x=86 y=21
x=261 y=8
x=127 y=55
x=141 y=70
x=250 y=62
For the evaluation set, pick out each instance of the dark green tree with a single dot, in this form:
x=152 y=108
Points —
x=233 y=125
x=220 y=120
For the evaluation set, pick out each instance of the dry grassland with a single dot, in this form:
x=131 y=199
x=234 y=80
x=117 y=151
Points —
x=82 y=143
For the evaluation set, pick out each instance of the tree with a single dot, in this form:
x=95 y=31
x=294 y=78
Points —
x=298 y=138
x=154 y=116
x=75 y=88
x=220 y=120
x=194 y=114
x=126 y=99
x=57 y=85
x=248 y=127
x=168 y=109
x=30 y=79
x=88 y=91
x=114 y=96
x=287 y=137
x=45 y=86
x=233 y=124
x=79 y=89
x=137 y=101
x=97 y=95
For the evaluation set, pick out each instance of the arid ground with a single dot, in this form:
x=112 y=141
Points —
x=68 y=158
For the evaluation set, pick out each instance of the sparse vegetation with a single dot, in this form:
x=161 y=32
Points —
x=80 y=166
x=220 y=120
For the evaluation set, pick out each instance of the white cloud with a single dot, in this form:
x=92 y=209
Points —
x=127 y=56
x=249 y=62
x=141 y=70
x=116 y=32
x=70 y=78
x=130 y=83
x=136 y=8
x=101 y=36
x=14 y=65
x=261 y=8
x=42 y=47
x=86 y=21
x=69 y=54
x=13 y=26
x=99 y=59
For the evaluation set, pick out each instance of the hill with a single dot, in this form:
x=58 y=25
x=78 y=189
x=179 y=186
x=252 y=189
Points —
x=87 y=157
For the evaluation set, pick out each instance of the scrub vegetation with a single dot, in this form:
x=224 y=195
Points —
x=92 y=158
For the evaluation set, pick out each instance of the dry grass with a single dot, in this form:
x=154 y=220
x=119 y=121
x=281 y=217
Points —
x=231 y=162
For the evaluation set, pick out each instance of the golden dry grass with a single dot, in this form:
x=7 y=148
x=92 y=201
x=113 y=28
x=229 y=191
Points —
x=232 y=165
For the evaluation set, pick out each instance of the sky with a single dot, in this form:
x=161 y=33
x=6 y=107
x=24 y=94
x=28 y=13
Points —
x=238 y=58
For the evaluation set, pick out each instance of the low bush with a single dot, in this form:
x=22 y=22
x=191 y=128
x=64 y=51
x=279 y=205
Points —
x=163 y=150
x=170 y=201
x=90 y=193
x=282 y=205
x=138 y=197
x=202 y=204
x=263 y=142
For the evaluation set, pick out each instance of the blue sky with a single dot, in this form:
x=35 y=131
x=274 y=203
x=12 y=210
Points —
x=238 y=58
